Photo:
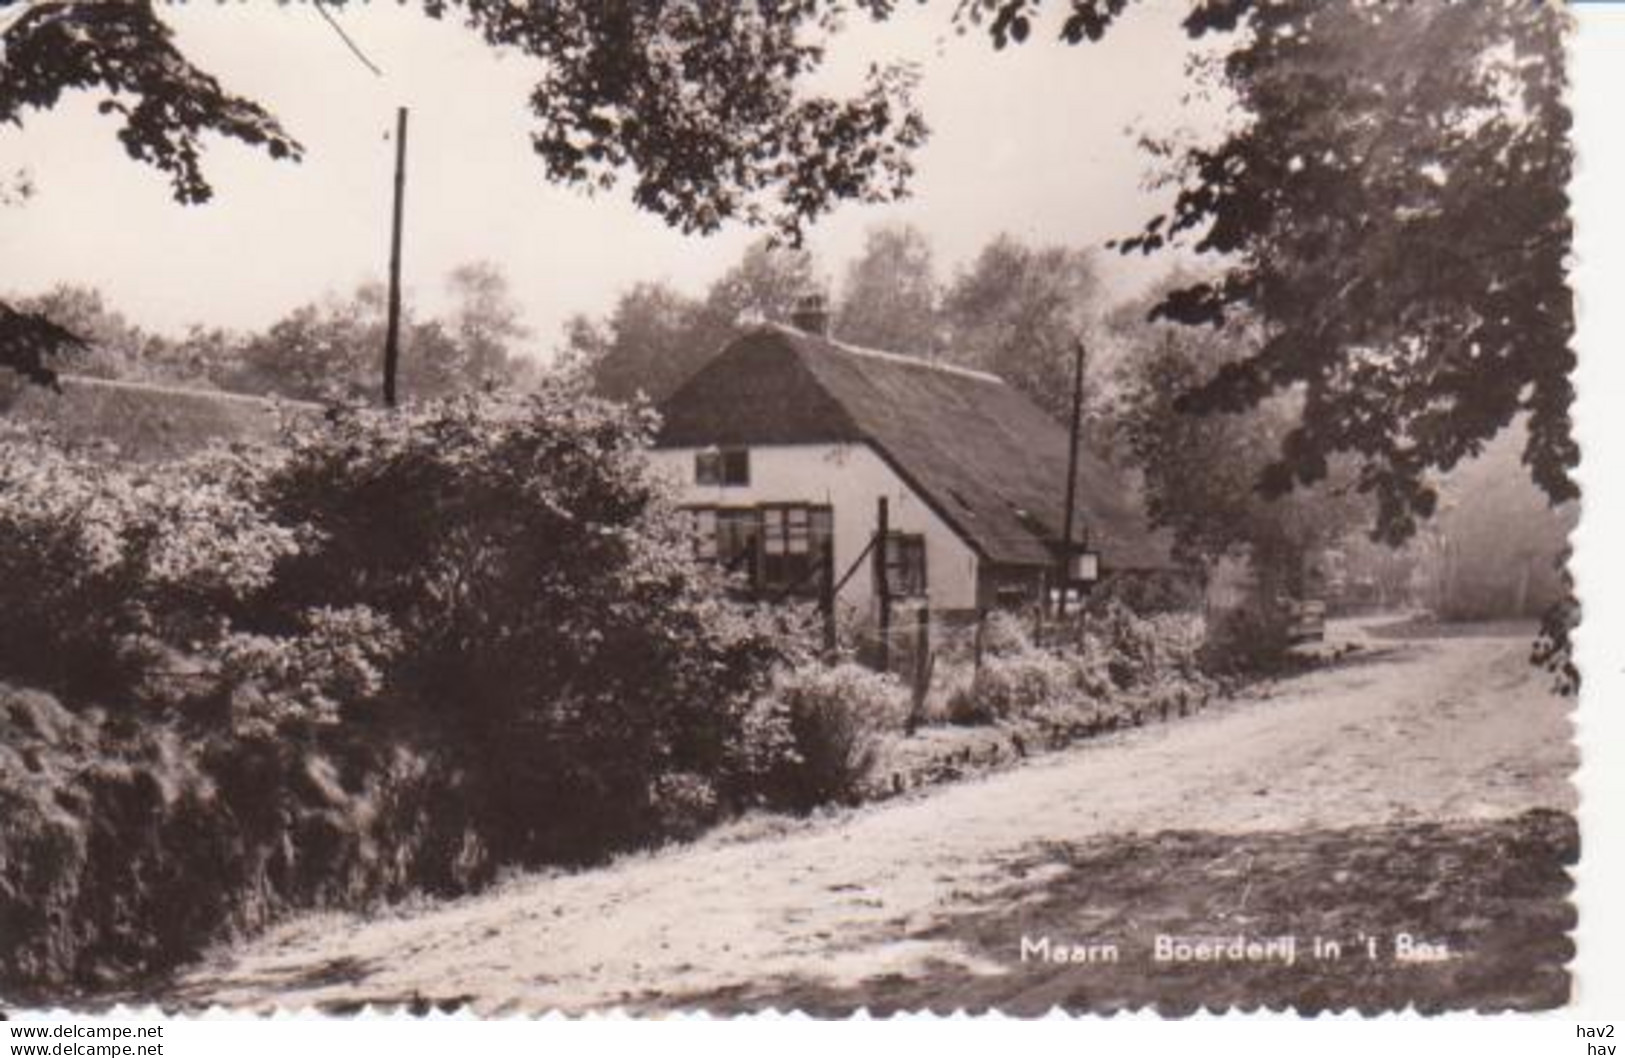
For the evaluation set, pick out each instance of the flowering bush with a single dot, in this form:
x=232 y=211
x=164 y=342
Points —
x=1005 y=634
x=1140 y=650
x=810 y=740
x=1090 y=660
x=1108 y=651
x=103 y=565
x=337 y=658
x=684 y=804
x=1010 y=687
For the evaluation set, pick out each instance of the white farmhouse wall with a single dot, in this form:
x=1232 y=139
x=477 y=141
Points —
x=850 y=478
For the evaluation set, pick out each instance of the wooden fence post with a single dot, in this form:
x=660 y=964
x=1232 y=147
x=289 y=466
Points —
x=883 y=581
x=826 y=599
x=978 y=640
x=924 y=663
x=1039 y=636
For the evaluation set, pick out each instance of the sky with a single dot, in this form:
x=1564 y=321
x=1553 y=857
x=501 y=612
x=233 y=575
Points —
x=1037 y=141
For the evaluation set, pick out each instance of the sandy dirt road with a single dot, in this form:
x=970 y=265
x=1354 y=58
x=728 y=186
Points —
x=1408 y=729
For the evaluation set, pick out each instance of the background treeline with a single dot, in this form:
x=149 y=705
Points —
x=327 y=350
x=1493 y=549
x=1014 y=310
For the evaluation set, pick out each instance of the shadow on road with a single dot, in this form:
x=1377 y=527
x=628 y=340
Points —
x=1489 y=900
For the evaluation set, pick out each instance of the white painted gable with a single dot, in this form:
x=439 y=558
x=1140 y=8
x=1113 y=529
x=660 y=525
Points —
x=850 y=479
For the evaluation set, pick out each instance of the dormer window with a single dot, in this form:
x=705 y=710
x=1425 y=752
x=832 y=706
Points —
x=722 y=466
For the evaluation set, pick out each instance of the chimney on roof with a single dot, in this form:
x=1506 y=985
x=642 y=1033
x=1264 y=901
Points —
x=811 y=314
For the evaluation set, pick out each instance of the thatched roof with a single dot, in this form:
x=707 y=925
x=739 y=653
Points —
x=143 y=421
x=988 y=460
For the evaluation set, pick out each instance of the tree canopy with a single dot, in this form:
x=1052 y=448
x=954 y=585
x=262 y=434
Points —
x=704 y=106
x=656 y=336
x=328 y=350
x=125 y=53
x=1393 y=210
x=1018 y=310
x=890 y=294
x=1198 y=470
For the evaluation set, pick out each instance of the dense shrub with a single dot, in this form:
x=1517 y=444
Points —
x=1005 y=634
x=811 y=737
x=1106 y=652
x=996 y=633
x=964 y=707
x=547 y=607
x=332 y=659
x=102 y=565
x=1150 y=593
x=124 y=847
x=1090 y=658
x=397 y=652
x=1009 y=687
x=1132 y=649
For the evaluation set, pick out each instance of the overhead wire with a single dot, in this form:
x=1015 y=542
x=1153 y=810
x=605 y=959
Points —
x=349 y=42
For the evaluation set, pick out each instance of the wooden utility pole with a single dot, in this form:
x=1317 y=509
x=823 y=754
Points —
x=883 y=580
x=1079 y=359
x=392 y=336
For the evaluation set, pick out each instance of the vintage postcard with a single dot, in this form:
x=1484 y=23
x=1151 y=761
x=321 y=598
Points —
x=832 y=506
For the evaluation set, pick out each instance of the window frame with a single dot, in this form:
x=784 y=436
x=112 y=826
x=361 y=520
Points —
x=786 y=565
x=722 y=467
x=906 y=565
x=783 y=567
x=707 y=522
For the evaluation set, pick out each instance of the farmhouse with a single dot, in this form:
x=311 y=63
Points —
x=783 y=446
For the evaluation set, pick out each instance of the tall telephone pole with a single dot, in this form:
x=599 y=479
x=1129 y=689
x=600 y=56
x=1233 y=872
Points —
x=1079 y=359
x=392 y=337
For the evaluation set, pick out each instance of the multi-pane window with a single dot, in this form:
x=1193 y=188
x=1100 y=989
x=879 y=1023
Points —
x=905 y=565
x=737 y=531
x=794 y=548
x=782 y=548
x=726 y=534
x=703 y=521
x=722 y=466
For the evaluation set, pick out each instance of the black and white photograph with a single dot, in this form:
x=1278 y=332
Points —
x=821 y=506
